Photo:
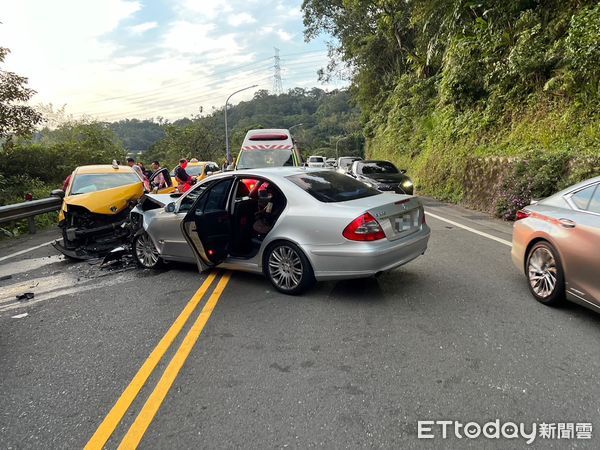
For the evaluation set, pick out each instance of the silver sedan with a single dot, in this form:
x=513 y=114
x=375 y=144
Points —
x=556 y=243
x=295 y=225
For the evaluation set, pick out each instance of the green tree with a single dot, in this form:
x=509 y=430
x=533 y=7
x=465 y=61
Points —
x=16 y=118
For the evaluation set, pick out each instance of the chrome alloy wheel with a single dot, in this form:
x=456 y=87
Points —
x=146 y=251
x=285 y=267
x=542 y=272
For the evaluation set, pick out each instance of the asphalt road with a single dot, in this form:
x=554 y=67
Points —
x=454 y=335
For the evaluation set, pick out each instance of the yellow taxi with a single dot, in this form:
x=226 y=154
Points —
x=95 y=207
x=199 y=170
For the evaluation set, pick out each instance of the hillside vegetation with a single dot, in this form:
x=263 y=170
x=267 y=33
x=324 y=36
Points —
x=39 y=162
x=506 y=91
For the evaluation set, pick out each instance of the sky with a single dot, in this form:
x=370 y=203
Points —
x=115 y=59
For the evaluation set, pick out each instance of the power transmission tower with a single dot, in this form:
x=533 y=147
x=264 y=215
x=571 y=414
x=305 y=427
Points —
x=277 y=86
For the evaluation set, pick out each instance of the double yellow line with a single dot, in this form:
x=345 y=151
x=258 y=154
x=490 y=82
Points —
x=142 y=422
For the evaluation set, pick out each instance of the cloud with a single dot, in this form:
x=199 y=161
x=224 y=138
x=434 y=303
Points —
x=98 y=57
x=143 y=27
x=60 y=45
x=200 y=39
x=203 y=9
x=235 y=20
x=284 y=35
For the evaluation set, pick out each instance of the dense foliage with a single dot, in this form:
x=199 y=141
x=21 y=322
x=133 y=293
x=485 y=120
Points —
x=320 y=120
x=443 y=81
x=16 y=118
x=138 y=135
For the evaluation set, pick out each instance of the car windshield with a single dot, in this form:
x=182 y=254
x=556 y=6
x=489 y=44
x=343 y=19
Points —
x=376 y=167
x=92 y=182
x=315 y=159
x=347 y=162
x=194 y=170
x=331 y=187
x=256 y=159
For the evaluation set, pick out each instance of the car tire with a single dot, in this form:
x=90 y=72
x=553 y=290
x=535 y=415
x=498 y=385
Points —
x=145 y=252
x=545 y=275
x=287 y=268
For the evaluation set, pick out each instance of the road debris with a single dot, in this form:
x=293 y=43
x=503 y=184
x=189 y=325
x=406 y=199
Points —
x=25 y=296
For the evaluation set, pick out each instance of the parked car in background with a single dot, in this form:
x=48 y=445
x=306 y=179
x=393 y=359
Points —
x=294 y=225
x=330 y=163
x=556 y=243
x=268 y=148
x=344 y=163
x=95 y=207
x=316 y=161
x=382 y=175
x=199 y=170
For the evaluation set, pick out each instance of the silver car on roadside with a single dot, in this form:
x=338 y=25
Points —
x=556 y=243
x=295 y=225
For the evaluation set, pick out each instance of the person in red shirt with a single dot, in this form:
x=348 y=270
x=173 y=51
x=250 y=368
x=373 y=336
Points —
x=184 y=180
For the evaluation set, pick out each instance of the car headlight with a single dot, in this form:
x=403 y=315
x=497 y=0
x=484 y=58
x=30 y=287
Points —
x=407 y=183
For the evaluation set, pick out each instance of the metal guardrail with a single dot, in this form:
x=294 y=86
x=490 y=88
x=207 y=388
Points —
x=28 y=210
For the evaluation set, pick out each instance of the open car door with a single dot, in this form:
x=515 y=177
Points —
x=207 y=225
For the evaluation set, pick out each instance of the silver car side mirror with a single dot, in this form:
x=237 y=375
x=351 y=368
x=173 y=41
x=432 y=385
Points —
x=170 y=207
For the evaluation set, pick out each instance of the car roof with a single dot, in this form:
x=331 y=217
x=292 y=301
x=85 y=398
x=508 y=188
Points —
x=103 y=168
x=374 y=161
x=575 y=187
x=200 y=163
x=271 y=172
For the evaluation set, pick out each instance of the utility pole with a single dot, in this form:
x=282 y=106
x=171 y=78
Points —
x=227 y=148
x=337 y=154
x=277 y=85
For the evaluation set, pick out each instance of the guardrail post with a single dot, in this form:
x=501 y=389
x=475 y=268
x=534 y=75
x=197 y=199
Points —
x=30 y=219
x=31 y=225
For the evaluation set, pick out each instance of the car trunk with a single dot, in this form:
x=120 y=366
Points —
x=399 y=215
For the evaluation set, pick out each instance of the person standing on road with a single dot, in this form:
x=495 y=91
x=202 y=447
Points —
x=184 y=180
x=137 y=169
x=146 y=172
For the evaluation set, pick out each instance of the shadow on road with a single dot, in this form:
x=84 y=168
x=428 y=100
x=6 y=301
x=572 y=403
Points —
x=358 y=291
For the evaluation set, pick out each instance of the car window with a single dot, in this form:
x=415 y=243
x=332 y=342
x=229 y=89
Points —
x=92 y=182
x=256 y=159
x=378 y=167
x=346 y=162
x=582 y=198
x=331 y=187
x=194 y=170
x=594 y=205
x=315 y=159
x=191 y=196
x=217 y=197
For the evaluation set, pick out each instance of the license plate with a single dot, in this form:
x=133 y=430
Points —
x=407 y=222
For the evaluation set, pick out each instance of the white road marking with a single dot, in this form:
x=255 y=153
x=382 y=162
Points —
x=12 y=255
x=472 y=230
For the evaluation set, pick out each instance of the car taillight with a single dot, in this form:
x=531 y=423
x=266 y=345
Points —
x=364 y=228
x=522 y=214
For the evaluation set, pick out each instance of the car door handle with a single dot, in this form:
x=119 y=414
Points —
x=567 y=223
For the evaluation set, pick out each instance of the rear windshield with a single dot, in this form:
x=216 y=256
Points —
x=376 y=167
x=257 y=159
x=92 y=182
x=331 y=187
x=316 y=159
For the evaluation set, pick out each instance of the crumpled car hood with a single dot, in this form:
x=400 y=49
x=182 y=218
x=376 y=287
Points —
x=109 y=201
x=161 y=199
